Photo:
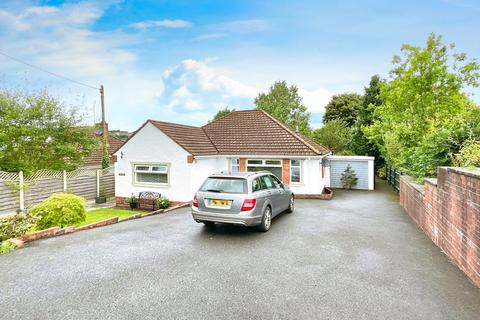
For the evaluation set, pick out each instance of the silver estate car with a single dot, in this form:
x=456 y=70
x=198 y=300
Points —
x=245 y=198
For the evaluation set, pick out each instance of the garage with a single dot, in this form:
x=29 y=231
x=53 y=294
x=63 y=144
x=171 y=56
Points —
x=362 y=165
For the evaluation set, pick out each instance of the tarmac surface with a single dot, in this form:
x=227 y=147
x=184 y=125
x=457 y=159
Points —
x=358 y=256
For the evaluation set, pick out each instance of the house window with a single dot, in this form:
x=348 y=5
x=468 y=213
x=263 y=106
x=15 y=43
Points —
x=295 y=171
x=273 y=166
x=235 y=165
x=151 y=173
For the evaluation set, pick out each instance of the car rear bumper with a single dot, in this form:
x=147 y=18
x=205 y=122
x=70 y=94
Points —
x=245 y=218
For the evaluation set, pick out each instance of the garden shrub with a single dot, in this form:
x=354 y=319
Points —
x=163 y=202
x=16 y=225
x=6 y=247
x=60 y=209
x=349 y=178
x=381 y=172
x=469 y=155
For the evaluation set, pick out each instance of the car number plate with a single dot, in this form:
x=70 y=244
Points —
x=220 y=203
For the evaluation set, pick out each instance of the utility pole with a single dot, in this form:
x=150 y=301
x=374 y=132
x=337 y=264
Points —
x=104 y=123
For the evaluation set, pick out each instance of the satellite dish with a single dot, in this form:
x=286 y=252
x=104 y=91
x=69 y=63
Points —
x=98 y=131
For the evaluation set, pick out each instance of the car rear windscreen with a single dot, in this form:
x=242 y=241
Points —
x=225 y=185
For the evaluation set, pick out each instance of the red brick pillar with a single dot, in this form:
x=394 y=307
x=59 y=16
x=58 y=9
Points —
x=243 y=165
x=286 y=171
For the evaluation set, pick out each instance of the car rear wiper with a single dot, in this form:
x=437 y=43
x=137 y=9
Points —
x=213 y=190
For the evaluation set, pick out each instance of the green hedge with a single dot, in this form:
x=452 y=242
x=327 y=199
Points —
x=60 y=209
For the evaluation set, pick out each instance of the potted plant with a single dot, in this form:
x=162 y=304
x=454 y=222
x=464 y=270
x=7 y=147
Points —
x=163 y=202
x=349 y=178
x=101 y=198
x=132 y=201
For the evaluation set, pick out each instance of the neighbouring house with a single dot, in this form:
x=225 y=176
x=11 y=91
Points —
x=94 y=160
x=174 y=159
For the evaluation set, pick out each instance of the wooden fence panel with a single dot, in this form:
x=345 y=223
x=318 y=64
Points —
x=8 y=198
x=41 y=185
x=39 y=190
x=84 y=186
x=107 y=181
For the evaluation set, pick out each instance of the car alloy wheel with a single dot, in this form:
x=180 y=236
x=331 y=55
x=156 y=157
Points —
x=291 y=205
x=266 y=220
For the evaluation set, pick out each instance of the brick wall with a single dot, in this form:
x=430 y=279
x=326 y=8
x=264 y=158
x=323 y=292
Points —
x=243 y=165
x=447 y=209
x=145 y=204
x=286 y=171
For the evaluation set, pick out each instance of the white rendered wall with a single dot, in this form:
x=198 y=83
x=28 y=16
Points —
x=150 y=145
x=312 y=181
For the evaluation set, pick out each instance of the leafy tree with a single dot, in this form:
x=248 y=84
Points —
x=360 y=144
x=40 y=133
x=335 y=135
x=223 y=112
x=425 y=117
x=345 y=107
x=469 y=155
x=105 y=157
x=285 y=104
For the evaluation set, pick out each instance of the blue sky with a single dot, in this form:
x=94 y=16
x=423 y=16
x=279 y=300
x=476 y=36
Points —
x=181 y=61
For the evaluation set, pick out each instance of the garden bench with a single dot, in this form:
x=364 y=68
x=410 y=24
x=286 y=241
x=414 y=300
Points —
x=149 y=197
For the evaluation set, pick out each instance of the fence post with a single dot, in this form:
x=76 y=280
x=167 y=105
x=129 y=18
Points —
x=98 y=183
x=64 y=181
x=21 y=193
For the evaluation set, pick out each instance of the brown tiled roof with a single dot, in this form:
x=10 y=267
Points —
x=192 y=139
x=95 y=158
x=255 y=132
x=250 y=132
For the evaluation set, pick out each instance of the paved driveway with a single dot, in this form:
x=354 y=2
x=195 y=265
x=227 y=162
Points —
x=355 y=257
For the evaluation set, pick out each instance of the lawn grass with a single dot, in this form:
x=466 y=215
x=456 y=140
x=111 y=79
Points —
x=102 y=214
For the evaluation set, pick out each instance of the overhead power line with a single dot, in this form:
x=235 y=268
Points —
x=49 y=72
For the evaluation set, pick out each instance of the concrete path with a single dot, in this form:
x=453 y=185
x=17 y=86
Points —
x=356 y=257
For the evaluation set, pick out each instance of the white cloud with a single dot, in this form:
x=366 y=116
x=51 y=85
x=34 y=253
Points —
x=315 y=100
x=209 y=36
x=249 y=25
x=148 y=24
x=194 y=85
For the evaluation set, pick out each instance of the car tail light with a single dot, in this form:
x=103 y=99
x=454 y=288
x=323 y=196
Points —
x=248 y=204
x=195 y=201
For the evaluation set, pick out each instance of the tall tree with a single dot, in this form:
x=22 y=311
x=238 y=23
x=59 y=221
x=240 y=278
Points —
x=335 y=135
x=38 y=132
x=285 y=104
x=425 y=117
x=344 y=107
x=360 y=144
x=223 y=112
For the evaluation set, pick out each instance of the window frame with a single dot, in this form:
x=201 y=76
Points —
x=232 y=165
x=264 y=164
x=300 y=167
x=150 y=170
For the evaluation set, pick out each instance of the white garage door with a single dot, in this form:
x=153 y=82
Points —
x=363 y=167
